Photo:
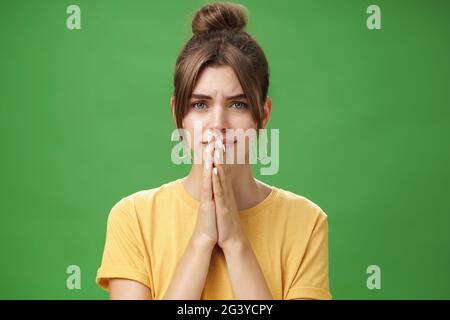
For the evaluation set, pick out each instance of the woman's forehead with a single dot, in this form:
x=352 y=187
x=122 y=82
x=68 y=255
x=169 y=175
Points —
x=218 y=80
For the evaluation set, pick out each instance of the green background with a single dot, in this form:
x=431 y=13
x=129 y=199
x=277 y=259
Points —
x=363 y=117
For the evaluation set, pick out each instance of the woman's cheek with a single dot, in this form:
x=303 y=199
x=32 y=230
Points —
x=194 y=141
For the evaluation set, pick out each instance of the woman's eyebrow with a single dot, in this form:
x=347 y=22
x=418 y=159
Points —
x=203 y=96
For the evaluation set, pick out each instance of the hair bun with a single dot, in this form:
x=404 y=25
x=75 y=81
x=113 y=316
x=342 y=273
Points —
x=219 y=16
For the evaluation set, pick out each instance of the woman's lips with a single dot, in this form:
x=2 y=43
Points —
x=224 y=141
x=228 y=142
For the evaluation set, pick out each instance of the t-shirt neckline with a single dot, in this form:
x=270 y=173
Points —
x=194 y=203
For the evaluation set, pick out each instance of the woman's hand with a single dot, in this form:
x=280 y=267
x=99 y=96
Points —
x=206 y=228
x=229 y=228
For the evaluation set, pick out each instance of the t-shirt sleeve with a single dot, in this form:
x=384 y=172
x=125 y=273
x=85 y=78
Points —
x=311 y=278
x=123 y=254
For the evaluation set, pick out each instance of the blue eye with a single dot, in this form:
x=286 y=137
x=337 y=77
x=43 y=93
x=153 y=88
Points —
x=196 y=105
x=240 y=105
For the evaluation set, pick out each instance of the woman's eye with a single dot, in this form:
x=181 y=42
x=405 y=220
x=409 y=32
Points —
x=199 y=105
x=239 y=105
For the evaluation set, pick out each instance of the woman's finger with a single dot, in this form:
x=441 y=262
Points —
x=217 y=189
x=219 y=156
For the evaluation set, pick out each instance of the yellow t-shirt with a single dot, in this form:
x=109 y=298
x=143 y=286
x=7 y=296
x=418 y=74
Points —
x=148 y=232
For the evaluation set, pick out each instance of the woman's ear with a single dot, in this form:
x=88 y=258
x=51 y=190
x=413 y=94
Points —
x=267 y=111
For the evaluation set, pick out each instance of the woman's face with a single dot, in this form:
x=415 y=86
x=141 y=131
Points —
x=218 y=103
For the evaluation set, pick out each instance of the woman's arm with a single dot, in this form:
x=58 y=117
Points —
x=247 y=279
x=187 y=283
x=190 y=275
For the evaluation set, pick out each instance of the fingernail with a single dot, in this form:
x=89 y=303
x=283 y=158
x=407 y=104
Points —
x=207 y=166
x=215 y=171
x=217 y=154
x=209 y=138
x=220 y=143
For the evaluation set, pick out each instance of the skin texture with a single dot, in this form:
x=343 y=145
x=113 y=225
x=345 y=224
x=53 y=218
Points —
x=222 y=189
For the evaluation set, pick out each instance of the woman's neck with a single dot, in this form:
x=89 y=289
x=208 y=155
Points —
x=248 y=191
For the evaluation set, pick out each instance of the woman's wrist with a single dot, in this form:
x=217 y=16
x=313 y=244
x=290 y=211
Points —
x=238 y=245
x=202 y=242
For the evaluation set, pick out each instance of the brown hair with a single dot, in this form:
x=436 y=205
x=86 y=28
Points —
x=219 y=39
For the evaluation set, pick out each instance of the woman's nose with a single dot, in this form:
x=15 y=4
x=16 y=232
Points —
x=219 y=121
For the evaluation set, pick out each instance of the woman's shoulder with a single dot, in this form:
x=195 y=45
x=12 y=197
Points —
x=143 y=198
x=298 y=204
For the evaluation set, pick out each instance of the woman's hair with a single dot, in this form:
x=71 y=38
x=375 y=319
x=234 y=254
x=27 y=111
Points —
x=219 y=39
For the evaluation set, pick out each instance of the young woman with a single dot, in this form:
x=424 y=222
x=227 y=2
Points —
x=217 y=233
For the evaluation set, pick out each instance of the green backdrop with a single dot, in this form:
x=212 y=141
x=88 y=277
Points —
x=363 y=117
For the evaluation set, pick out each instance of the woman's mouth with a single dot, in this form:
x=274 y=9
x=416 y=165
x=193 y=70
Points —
x=225 y=142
